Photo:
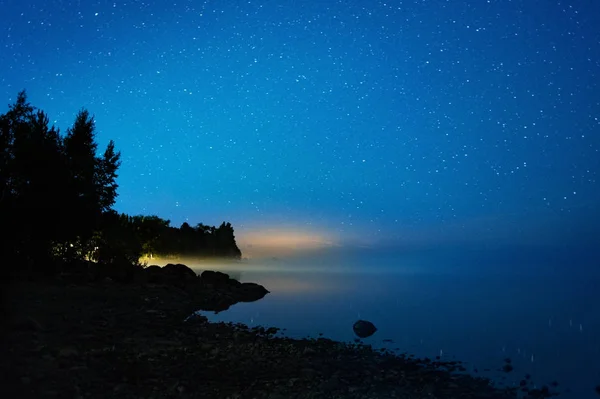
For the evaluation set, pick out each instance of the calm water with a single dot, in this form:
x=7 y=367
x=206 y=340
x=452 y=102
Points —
x=544 y=318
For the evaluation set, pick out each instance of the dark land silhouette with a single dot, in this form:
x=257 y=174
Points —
x=57 y=194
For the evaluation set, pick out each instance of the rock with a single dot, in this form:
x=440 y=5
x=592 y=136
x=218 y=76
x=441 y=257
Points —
x=182 y=272
x=233 y=284
x=168 y=274
x=250 y=292
x=215 y=278
x=119 y=270
x=196 y=318
x=364 y=329
x=309 y=351
x=221 y=297
x=153 y=274
x=221 y=306
x=272 y=331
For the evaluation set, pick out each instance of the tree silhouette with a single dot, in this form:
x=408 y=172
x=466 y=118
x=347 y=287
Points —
x=33 y=178
x=106 y=173
x=53 y=190
x=224 y=237
x=57 y=194
x=83 y=198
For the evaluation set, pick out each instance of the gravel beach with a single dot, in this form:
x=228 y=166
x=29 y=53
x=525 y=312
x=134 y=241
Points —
x=105 y=339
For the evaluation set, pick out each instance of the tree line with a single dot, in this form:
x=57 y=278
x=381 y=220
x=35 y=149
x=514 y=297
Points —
x=152 y=236
x=57 y=194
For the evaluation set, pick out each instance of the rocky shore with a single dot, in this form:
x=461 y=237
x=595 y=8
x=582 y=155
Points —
x=110 y=339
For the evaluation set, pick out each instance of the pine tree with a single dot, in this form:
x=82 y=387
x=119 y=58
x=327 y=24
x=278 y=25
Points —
x=34 y=174
x=106 y=177
x=84 y=198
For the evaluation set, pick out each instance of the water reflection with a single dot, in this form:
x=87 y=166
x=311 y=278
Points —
x=479 y=318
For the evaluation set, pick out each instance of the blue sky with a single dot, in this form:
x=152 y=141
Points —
x=346 y=121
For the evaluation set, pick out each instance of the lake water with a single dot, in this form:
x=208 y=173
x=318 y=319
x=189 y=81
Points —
x=542 y=315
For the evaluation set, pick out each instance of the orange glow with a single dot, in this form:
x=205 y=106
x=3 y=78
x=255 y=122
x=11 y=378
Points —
x=280 y=241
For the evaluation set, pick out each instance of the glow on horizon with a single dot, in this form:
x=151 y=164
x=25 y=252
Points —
x=283 y=241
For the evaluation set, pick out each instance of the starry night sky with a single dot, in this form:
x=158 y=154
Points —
x=356 y=122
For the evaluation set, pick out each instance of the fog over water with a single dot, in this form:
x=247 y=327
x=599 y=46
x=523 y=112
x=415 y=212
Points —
x=471 y=304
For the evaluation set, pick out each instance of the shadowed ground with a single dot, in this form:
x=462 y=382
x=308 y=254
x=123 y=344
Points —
x=105 y=339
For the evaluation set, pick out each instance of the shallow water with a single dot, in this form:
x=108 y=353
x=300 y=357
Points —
x=544 y=319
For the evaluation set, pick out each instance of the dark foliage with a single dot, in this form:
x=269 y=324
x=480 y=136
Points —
x=56 y=198
x=151 y=235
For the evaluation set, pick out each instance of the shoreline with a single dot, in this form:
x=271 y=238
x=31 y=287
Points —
x=107 y=339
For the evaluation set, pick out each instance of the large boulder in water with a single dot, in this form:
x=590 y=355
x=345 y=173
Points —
x=250 y=292
x=177 y=274
x=216 y=279
x=228 y=291
x=179 y=271
x=364 y=329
